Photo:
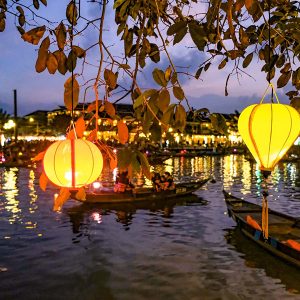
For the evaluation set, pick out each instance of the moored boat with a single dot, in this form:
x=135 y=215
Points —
x=284 y=230
x=142 y=194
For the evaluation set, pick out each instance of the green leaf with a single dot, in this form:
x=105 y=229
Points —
x=206 y=67
x=168 y=116
x=271 y=74
x=168 y=73
x=295 y=102
x=52 y=63
x=123 y=132
x=125 y=66
x=71 y=61
x=180 y=117
x=284 y=79
x=72 y=13
x=71 y=93
x=41 y=62
x=20 y=29
x=233 y=54
x=219 y=123
x=61 y=35
x=128 y=41
x=280 y=61
x=155 y=54
x=21 y=20
x=247 y=60
x=286 y=68
x=20 y=10
x=180 y=35
x=2 y=24
x=110 y=78
x=44 y=2
x=36 y=4
x=164 y=100
x=198 y=73
x=296 y=77
x=80 y=53
x=118 y=3
x=178 y=92
x=198 y=35
x=45 y=44
x=222 y=64
x=248 y=4
x=176 y=27
x=174 y=78
x=110 y=109
x=144 y=96
x=124 y=157
x=159 y=77
x=34 y=35
x=62 y=61
x=144 y=164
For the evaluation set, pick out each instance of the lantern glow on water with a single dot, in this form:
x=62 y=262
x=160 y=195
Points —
x=73 y=163
x=269 y=130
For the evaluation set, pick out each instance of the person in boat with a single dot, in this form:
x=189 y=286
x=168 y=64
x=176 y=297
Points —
x=169 y=182
x=123 y=183
x=156 y=181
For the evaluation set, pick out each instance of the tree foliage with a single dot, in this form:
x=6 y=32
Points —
x=243 y=32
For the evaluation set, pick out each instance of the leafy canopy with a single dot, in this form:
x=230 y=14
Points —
x=242 y=32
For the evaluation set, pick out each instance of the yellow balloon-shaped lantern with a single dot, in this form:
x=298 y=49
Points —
x=269 y=130
x=73 y=163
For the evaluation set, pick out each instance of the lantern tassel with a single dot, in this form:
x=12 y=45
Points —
x=265 y=217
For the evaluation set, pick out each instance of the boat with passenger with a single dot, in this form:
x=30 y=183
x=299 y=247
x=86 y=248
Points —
x=108 y=195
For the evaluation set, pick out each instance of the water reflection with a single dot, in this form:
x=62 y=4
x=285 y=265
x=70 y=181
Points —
x=82 y=216
x=32 y=192
x=256 y=257
x=10 y=192
x=179 y=245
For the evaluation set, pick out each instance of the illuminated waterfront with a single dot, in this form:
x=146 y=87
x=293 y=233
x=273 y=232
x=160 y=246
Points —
x=188 y=251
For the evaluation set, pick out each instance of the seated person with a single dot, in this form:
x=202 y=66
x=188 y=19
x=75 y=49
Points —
x=123 y=183
x=156 y=179
x=169 y=183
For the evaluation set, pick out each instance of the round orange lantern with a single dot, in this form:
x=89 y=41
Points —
x=269 y=130
x=73 y=163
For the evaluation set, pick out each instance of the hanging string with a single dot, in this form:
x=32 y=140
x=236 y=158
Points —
x=269 y=41
x=72 y=71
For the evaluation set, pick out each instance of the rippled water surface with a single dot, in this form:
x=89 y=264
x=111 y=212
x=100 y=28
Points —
x=188 y=249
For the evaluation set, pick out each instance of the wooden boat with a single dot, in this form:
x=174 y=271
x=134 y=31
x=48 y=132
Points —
x=284 y=230
x=142 y=194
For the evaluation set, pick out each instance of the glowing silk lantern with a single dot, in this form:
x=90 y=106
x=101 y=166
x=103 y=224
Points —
x=269 y=130
x=73 y=163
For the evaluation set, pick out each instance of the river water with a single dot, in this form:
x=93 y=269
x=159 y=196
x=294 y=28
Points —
x=188 y=249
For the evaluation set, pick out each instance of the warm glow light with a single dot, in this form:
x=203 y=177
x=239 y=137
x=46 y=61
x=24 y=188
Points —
x=97 y=185
x=269 y=130
x=73 y=163
x=9 y=125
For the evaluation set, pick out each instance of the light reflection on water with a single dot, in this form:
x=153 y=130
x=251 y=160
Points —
x=168 y=250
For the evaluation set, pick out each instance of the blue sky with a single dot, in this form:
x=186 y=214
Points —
x=45 y=91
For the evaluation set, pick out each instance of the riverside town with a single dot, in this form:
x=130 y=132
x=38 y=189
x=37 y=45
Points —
x=149 y=149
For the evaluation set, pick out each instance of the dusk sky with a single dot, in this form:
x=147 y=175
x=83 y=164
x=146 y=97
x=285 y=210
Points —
x=45 y=91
